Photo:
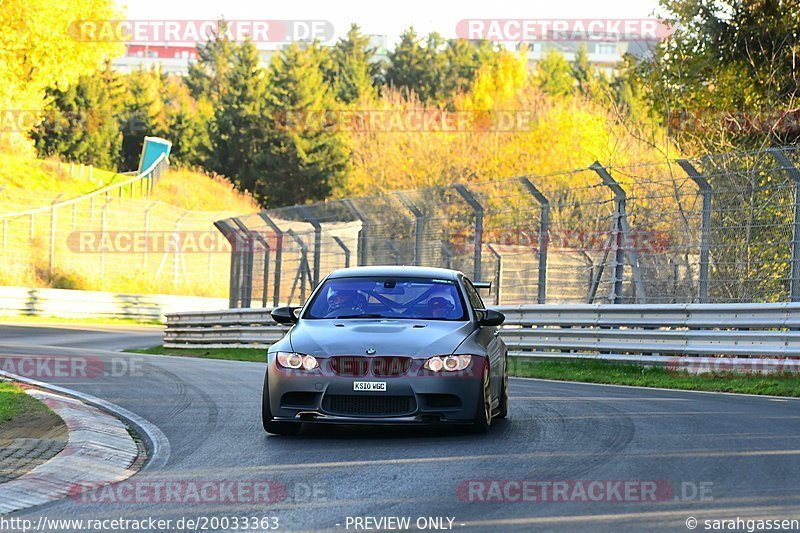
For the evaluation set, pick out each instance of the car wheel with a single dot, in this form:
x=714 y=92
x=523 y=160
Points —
x=483 y=415
x=270 y=426
x=502 y=410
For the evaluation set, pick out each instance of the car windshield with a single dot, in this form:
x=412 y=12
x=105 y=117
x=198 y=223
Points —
x=380 y=297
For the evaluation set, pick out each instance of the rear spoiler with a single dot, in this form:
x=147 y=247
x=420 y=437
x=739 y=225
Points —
x=482 y=285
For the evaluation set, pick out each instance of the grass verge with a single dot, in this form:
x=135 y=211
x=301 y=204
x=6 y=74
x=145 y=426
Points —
x=14 y=402
x=228 y=354
x=600 y=372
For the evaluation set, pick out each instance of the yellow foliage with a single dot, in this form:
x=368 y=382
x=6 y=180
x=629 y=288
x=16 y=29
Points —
x=38 y=49
x=505 y=126
x=496 y=84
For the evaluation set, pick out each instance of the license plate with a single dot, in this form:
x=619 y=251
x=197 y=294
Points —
x=369 y=385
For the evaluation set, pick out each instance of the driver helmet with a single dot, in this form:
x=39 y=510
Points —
x=342 y=298
x=440 y=306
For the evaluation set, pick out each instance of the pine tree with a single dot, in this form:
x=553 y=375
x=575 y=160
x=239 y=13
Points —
x=238 y=132
x=80 y=122
x=206 y=77
x=353 y=73
x=186 y=124
x=142 y=114
x=408 y=65
x=307 y=157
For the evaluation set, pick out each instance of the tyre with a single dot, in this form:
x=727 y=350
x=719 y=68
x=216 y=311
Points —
x=502 y=409
x=483 y=414
x=270 y=426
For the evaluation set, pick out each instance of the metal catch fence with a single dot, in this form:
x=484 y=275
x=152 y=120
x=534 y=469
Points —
x=720 y=228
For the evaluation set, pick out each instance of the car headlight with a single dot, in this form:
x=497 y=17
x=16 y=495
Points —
x=296 y=360
x=449 y=363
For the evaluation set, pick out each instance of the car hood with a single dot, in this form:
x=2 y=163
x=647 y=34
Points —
x=386 y=336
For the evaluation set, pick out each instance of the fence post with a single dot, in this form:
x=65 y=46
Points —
x=362 y=233
x=266 y=273
x=590 y=267
x=621 y=240
x=498 y=275
x=448 y=255
x=103 y=238
x=303 y=270
x=345 y=249
x=52 y=244
x=52 y=264
x=544 y=237
x=232 y=236
x=306 y=214
x=705 y=225
x=419 y=220
x=146 y=234
x=478 y=209
x=177 y=253
x=263 y=241
x=276 y=295
x=260 y=238
x=247 y=264
x=794 y=173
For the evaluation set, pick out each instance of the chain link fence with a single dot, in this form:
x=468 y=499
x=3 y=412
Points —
x=116 y=238
x=720 y=228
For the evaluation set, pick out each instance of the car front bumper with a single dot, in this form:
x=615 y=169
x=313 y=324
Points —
x=416 y=397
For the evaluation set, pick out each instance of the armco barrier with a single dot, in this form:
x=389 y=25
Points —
x=91 y=304
x=652 y=334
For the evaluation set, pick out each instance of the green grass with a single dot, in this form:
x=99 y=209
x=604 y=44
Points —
x=229 y=354
x=14 y=402
x=600 y=372
x=27 y=319
x=27 y=173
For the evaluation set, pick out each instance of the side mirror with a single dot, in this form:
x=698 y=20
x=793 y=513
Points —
x=284 y=315
x=490 y=317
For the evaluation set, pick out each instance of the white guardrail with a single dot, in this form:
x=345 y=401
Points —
x=649 y=334
x=93 y=304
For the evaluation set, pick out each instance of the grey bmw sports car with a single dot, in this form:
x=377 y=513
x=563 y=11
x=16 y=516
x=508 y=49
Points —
x=388 y=345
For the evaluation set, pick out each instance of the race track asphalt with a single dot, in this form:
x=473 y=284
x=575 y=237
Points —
x=709 y=456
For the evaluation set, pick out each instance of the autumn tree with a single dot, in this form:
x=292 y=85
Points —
x=728 y=75
x=42 y=46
